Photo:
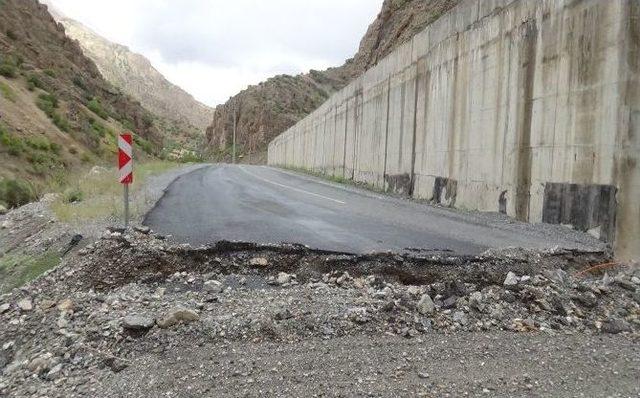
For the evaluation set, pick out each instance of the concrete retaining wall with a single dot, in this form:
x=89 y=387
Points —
x=529 y=107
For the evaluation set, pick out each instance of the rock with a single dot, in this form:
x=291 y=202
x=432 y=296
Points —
x=46 y=304
x=142 y=229
x=627 y=285
x=66 y=305
x=137 y=322
x=213 y=286
x=259 y=262
x=358 y=315
x=3 y=210
x=511 y=279
x=4 y=308
x=176 y=316
x=475 y=300
x=55 y=372
x=460 y=317
x=450 y=302
x=587 y=299
x=414 y=291
x=615 y=326
x=426 y=306
x=635 y=280
x=283 y=278
x=40 y=364
x=282 y=314
x=25 y=304
x=6 y=224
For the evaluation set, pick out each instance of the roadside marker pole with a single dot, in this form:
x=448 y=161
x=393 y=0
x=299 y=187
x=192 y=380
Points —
x=125 y=167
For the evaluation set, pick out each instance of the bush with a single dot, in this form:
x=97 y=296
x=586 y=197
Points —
x=48 y=103
x=50 y=72
x=77 y=80
x=14 y=145
x=61 y=122
x=73 y=195
x=7 y=92
x=16 y=193
x=96 y=107
x=7 y=70
x=98 y=128
x=33 y=81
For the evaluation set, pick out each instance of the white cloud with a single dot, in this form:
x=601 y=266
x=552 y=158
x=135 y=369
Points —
x=213 y=49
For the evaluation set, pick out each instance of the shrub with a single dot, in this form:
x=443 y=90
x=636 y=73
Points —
x=34 y=81
x=73 y=195
x=96 y=107
x=16 y=193
x=61 y=122
x=98 y=128
x=7 y=70
x=48 y=103
x=7 y=92
x=50 y=72
x=14 y=145
x=143 y=144
x=77 y=80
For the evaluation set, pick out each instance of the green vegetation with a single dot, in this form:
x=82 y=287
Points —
x=18 y=269
x=7 y=70
x=50 y=72
x=48 y=103
x=15 y=193
x=43 y=154
x=33 y=82
x=98 y=128
x=14 y=145
x=77 y=80
x=7 y=92
x=143 y=144
x=96 y=107
x=9 y=65
x=101 y=197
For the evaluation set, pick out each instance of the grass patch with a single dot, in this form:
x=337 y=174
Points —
x=96 y=107
x=15 y=193
x=101 y=194
x=48 y=103
x=18 y=269
x=7 y=92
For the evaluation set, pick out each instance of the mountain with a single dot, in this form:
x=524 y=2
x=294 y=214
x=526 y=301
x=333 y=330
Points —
x=265 y=110
x=57 y=113
x=176 y=109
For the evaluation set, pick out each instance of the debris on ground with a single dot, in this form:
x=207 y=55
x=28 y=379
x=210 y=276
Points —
x=133 y=293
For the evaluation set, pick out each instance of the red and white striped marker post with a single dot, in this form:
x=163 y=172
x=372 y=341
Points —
x=125 y=168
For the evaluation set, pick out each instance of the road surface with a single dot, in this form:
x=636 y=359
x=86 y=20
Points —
x=268 y=205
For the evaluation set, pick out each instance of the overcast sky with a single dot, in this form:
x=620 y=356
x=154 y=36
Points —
x=215 y=48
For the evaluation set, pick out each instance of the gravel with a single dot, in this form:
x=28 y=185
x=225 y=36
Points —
x=133 y=315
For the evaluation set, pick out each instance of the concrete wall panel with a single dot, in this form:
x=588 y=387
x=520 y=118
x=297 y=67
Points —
x=519 y=106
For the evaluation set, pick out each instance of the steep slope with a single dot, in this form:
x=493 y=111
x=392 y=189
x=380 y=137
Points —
x=57 y=113
x=269 y=108
x=134 y=74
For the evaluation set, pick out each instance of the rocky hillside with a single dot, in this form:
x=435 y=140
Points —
x=57 y=113
x=134 y=75
x=269 y=108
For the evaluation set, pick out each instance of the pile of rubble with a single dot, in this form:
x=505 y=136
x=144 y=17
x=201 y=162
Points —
x=134 y=292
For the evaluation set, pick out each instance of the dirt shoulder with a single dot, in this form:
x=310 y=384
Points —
x=135 y=315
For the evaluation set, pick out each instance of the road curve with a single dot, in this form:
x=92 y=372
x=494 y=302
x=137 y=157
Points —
x=268 y=205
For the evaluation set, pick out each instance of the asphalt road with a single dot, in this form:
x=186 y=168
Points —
x=267 y=205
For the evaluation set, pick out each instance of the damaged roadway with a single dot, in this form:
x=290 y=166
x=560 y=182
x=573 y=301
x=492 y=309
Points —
x=267 y=205
x=139 y=315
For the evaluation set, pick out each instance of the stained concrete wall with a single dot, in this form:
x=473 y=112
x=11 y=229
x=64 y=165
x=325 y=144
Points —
x=529 y=107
